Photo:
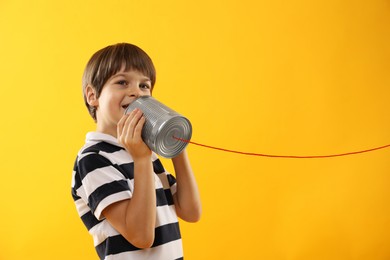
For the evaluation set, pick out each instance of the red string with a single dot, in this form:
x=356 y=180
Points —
x=283 y=156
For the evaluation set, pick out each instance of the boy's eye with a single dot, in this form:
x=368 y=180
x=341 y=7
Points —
x=122 y=82
x=144 y=86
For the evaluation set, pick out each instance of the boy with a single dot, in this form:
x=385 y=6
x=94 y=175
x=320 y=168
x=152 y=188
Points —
x=122 y=193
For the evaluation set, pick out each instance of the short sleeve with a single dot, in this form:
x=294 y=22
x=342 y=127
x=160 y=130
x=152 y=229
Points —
x=172 y=183
x=168 y=180
x=102 y=182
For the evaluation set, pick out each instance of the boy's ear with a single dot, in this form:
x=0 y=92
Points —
x=91 y=96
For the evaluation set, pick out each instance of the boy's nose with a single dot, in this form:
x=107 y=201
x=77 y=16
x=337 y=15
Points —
x=135 y=92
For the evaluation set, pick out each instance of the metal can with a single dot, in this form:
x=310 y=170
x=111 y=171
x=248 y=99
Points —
x=164 y=129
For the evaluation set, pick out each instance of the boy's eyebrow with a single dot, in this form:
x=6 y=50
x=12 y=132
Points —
x=120 y=74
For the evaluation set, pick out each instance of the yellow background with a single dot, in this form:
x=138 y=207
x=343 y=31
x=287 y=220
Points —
x=280 y=77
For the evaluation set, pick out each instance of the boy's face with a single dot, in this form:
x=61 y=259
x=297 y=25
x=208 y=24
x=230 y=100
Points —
x=118 y=92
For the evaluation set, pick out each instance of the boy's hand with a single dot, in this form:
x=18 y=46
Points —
x=129 y=131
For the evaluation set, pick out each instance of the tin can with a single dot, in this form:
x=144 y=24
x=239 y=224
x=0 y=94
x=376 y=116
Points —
x=161 y=127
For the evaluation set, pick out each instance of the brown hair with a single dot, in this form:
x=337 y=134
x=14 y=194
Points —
x=108 y=61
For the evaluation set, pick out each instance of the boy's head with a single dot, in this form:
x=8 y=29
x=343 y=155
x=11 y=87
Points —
x=110 y=60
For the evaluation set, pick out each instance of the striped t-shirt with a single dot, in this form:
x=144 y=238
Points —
x=104 y=174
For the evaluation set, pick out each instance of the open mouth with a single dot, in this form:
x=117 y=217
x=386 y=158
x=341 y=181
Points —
x=125 y=106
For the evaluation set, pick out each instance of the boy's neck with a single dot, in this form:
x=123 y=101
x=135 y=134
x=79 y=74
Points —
x=112 y=132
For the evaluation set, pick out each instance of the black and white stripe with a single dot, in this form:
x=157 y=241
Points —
x=104 y=174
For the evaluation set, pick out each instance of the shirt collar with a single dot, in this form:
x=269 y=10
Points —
x=101 y=137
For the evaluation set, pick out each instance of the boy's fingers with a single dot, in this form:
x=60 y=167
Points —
x=136 y=123
x=120 y=124
x=131 y=124
x=138 y=127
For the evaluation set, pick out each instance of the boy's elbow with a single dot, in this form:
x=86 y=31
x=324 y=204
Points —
x=196 y=217
x=142 y=241
x=192 y=217
x=143 y=244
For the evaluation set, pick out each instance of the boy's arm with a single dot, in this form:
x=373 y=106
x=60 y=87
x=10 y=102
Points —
x=186 y=198
x=135 y=218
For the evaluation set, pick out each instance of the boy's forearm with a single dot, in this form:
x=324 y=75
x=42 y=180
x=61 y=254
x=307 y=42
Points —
x=187 y=199
x=141 y=211
x=135 y=218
